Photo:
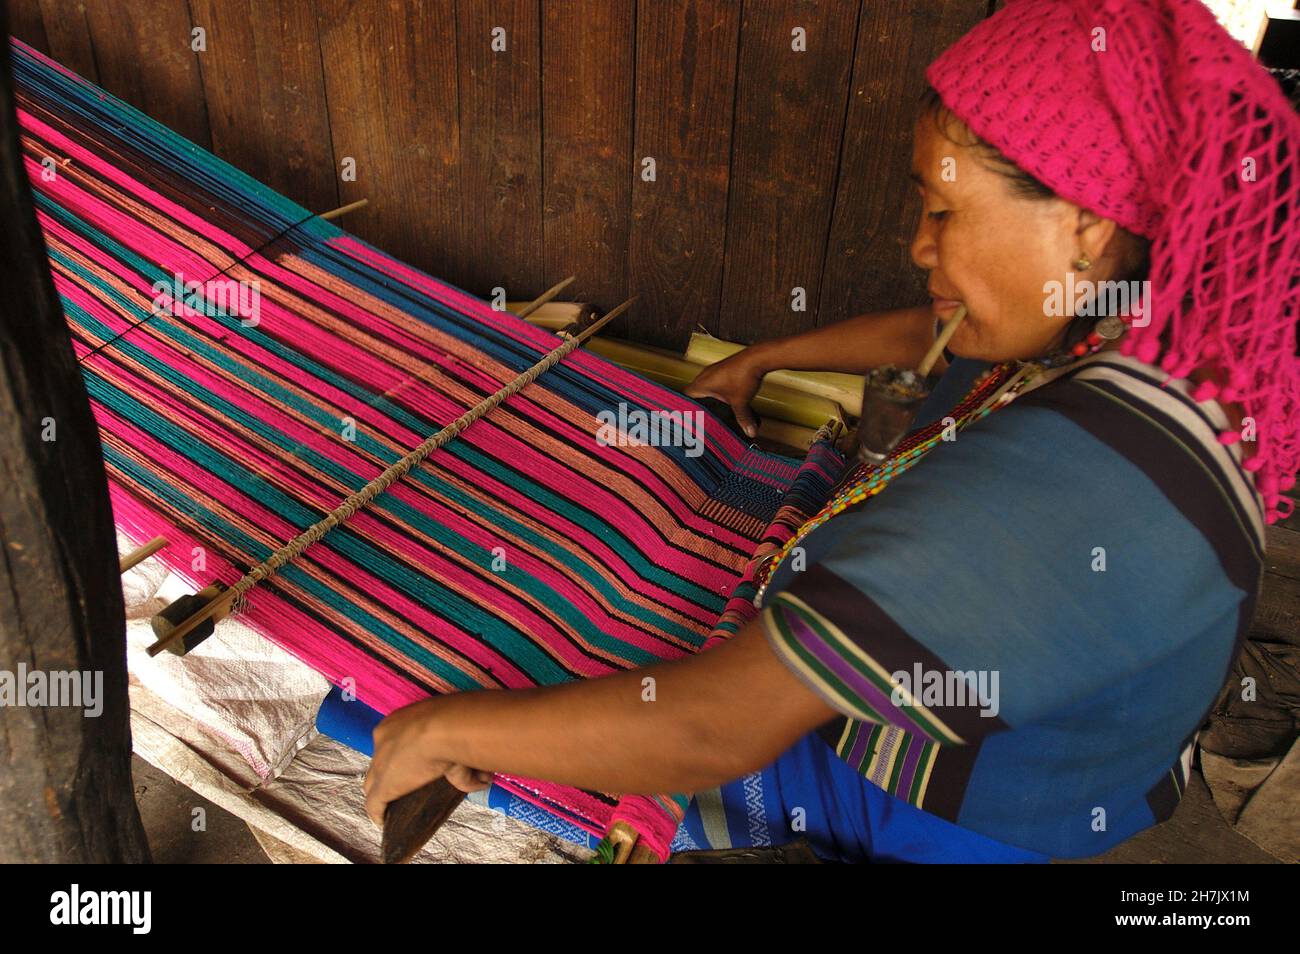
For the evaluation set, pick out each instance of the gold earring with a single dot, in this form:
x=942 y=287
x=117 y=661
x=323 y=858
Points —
x=1083 y=262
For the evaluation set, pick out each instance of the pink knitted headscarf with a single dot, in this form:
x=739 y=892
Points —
x=1147 y=112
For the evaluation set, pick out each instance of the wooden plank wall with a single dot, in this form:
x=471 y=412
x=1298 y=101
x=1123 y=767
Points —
x=774 y=169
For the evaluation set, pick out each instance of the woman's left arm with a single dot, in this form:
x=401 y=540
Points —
x=678 y=726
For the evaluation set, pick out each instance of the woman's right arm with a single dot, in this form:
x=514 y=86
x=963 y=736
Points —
x=855 y=345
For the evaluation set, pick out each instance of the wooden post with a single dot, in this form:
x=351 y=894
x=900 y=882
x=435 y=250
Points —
x=65 y=778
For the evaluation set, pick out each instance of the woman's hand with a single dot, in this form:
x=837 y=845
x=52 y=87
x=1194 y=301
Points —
x=406 y=758
x=734 y=380
x=713 y=717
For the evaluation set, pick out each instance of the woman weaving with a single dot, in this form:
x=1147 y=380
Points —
x=1080 y=536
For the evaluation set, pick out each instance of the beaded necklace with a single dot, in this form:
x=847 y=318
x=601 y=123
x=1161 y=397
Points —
x=995 y=388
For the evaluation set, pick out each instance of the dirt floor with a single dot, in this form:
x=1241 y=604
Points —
x=168 y=809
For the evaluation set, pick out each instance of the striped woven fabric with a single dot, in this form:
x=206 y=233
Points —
x=300 y=363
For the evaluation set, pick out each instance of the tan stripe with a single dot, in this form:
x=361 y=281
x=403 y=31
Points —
x=1227 y=457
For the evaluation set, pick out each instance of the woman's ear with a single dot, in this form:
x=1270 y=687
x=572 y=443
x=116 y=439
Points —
x=1096 y=236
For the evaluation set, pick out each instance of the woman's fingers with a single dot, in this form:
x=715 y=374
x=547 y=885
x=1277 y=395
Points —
x=745 y=417
x=467 y=779
x=403 y=760
x=732 y=382
x=701 y=389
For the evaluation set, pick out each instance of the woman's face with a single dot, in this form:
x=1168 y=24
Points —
x=989 y=249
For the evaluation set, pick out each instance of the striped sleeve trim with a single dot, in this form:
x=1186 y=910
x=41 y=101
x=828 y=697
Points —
x=862 y=684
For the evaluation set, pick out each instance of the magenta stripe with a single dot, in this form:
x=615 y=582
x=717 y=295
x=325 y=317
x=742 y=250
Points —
x=859 y=686
x=259 y=521
x=130 y=186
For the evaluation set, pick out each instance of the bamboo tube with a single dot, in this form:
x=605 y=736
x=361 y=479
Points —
x=555 y=315
x=772 y=400
x=786 y=434
x=843 y=389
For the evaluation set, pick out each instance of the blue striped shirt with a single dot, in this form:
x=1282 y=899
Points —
x=1024 y=632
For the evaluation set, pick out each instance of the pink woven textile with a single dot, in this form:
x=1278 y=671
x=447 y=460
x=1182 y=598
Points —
x=1149 y=113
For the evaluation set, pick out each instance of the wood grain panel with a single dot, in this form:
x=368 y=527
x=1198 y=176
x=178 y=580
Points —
x=685 y=90
x=142 y=54
x=390 y=82
x=23 y=20
x=265 y=91
x=868 y=263
x=789 y=121
x=587 y=69
x=69 y=36
x=500 y=147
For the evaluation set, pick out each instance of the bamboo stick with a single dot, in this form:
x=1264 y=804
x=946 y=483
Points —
x=941 y=342
x=771 y=401
x=140 y=554
x=843 y=389
x=344 y=209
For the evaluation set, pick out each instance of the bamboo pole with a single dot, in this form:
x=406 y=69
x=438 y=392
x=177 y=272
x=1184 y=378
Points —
x=844 y=389
x=787 y=434
x=553 y=316
x=542 y=299
x=140 y=554
x=771 y=401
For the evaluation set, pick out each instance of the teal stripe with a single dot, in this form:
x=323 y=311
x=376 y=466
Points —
x=320 y=591
x=431 y=593
x=275 y=390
